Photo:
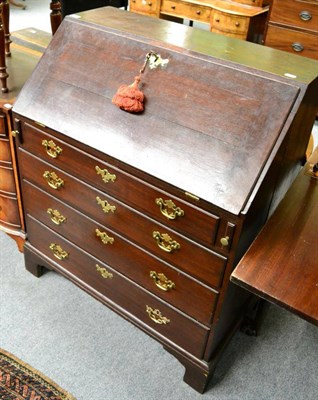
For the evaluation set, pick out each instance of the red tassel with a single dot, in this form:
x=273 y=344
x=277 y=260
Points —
x=129 y=97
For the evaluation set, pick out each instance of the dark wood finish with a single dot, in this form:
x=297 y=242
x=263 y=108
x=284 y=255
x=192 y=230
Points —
x=293 y=26
x=204 y=141
x=281 y=264
x=27 y=47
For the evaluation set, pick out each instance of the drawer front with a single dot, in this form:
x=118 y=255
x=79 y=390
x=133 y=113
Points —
x=296 y=13
x=9 y=212
x=132 y=301
x=5 y=153
x=295 y=42
x=160 y=205
x=148 y=7
x=184 y=10
x=164 y=281
x=229 y=24
x=7 y=183
x=194 y=259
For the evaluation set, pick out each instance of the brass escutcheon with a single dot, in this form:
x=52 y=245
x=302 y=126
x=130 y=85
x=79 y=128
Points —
x=165 y=242
x=104 y=237
x=162 y=281
x=104 y=273
x=53 y=180
x=56 y=216
x=156 y=316
x=106 y=176
x=51 y=148
x=106 y=207
x=58 y=251
x=169 y=209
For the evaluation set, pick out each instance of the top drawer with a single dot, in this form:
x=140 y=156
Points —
x=296 y=13
x=160 y=205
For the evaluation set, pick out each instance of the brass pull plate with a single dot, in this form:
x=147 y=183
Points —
x=165 y=242
x=169 y=209
x=104 y=273
x=156 y=316
x=58 y=252
x=161 y=281
x=55 y=216
x=105 y=175
x=51 y=148
x=104 y=237
x=106 y=207
x=53 y=180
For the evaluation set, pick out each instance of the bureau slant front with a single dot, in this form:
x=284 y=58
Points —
x=150 y=212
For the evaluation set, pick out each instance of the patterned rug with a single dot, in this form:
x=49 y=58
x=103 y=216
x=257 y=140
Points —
x=19 y=381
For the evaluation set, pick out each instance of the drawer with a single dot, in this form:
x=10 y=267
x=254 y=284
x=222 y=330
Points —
x=158 y=277
x=7 y=182
x=304 y=44
x=5 y=153
x=299 y=14
x=182 y=9
x=254 y=3
x=137 y=304
x=148 y=7
x=192 y=258
x=160 y=205
x=9 y=212
x=229 y=24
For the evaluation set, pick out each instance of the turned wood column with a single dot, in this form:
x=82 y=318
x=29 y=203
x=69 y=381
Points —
x=4 y=43
x=56 y=15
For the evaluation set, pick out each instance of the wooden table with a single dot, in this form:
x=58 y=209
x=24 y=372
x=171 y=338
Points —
x=231 y=18
x=282 y=263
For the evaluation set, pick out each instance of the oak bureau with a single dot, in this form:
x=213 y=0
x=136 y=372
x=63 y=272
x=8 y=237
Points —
x=149 y=213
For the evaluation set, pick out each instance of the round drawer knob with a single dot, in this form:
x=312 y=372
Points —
x=198 y=12
x=298 y=47
x=217 y=20
x=173 y=7
x=237 y=24
x=305 y=15
x=150 y=3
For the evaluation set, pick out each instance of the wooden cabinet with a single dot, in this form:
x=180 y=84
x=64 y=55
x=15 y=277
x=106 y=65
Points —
x=149 y=213
x=293 y=27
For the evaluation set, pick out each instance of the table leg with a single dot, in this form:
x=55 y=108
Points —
x=3 y=68
x=56 y=15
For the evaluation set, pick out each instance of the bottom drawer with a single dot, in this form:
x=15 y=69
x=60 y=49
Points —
x=302 y=43
x=123 y=295
x=9 y=212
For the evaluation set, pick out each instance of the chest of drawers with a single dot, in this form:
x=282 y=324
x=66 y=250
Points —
x=150 y=212
x=293 y=27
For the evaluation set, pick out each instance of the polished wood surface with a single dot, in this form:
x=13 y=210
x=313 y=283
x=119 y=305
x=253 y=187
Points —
x=27 y=47
x=293 y=26
x=204 y=143
x=281 y=265
x=239 y=19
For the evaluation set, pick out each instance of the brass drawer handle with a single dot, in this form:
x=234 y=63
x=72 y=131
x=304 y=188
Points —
x=225 y=241
x=53 y=180
x=298 y=47
x=106 y=176
x=106 y=207
x=162 y=281
x=104 y=237
x=56 y=216
x=156 y=316
x=169 y=209
x=104 y=273
x=305 y=15
x=165 y=242
x=51 y=148
x=58 y=252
